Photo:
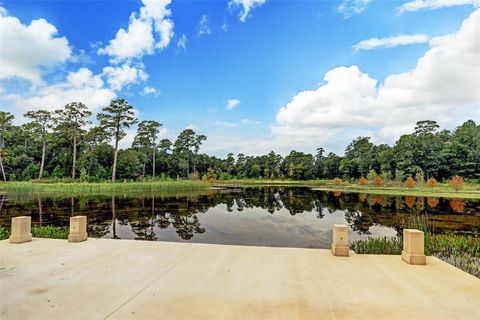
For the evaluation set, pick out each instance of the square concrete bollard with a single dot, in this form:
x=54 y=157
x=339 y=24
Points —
x=413 y=247
x=340 y=240
x=21 y=229
x=78 y=229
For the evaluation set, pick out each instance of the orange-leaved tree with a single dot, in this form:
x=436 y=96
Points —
x=378 y=181
x=457 y=182
x=337 y=181
x=410 y=182
x=362 y=181
x=432 y=182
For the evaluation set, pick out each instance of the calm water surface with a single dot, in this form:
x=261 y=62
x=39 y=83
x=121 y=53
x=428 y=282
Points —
x=266 y=216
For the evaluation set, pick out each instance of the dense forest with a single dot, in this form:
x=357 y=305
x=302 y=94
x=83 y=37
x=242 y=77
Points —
x=64 y=144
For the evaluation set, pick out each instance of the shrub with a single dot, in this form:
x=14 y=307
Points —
x=456 y=183
x=457 y=205
x=432 y=182
x=378 y=181
x=410 y=182
x=84 y=177
x=410 y=201
x=371 y=175
x=362 y=181
x=337 y=181
x=432 y=202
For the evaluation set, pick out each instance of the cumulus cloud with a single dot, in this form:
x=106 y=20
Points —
x=417 y=5
x=150 y=91
x=443 y=86
x=203 y=27
x=81 y=85
x=390 y=42
x=351 y=7
x=148 y=30
x=28 y=50
x=232 y=103
x=118 y=77
x=246 y=7
x=182 y=42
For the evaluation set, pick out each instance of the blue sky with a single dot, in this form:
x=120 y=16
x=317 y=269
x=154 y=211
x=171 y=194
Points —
x=268 y=61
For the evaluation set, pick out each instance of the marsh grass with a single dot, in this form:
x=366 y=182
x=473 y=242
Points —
x=460 y=251
x=105 y=188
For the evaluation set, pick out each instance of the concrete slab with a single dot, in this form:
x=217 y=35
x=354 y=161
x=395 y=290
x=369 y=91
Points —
x=125 y=279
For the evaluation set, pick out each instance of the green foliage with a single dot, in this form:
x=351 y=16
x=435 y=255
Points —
x=426 y=152
x=51 y=232
x=4 y=233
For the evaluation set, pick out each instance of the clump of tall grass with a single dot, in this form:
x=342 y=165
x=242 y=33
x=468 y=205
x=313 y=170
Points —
x=460 y=251
x=51 y=232
x=382 y=245
x=4 y=233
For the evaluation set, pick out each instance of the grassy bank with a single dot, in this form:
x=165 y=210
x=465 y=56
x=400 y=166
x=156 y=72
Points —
x=469 y=191
x=40 y=232
x=461 y=251
x=78 y=188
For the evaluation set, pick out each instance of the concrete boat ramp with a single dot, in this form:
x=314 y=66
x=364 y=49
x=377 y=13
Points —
x=125 y=279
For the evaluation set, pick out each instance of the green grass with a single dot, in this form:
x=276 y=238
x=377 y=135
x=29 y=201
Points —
x=40 y=232
x=76 y=188
x=469 y=191
x=458 y=250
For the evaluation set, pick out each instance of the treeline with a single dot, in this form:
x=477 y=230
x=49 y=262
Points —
x=64 y=144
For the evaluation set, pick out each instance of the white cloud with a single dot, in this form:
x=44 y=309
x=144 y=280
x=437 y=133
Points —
x=247 y=6
x=182 y=42
x=150 y=91
x=226 y=124
x=249 y=121
x=118 y=77
x=151 y=29
x=203 y=27
x=350 y=7
x=417 y=5
x=374 y=43
x=81 y=85
x=443 y=86
x=27 y=50
x=232 y=103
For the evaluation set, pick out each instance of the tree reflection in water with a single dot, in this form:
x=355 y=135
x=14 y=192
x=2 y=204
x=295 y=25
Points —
x=146 y=216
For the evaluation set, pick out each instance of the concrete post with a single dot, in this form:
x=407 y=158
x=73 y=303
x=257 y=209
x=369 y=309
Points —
x=340 y=240
x=78 y=229
x=21 y=229
x=413 y=247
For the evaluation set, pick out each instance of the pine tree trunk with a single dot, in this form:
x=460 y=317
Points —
x=1 y=166
x=115 y=155
x=74 y=154
x=40 y=175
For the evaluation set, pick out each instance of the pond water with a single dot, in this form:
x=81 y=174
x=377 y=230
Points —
x=265 y=216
